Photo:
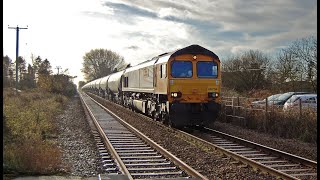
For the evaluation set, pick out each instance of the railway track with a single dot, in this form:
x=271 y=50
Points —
x=131 y=153
x=280 y=164
x=266 y=159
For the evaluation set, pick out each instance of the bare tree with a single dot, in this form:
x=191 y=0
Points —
x=101 y=62
x=287 y=68
x=305 y=52
x=247 y=71
x=298 y=62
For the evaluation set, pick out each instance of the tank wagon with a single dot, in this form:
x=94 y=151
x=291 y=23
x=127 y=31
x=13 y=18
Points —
x=180 y=88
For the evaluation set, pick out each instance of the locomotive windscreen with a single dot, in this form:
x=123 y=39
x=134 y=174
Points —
x=207 y=69
x=181 y=69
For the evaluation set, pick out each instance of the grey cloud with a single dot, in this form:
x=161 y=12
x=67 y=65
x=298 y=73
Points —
x=133 y=47
x=124 y=9
x=96 y=14
x=247 y=23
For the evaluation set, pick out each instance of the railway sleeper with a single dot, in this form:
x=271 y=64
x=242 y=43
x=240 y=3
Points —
x=138 y=154
x=143 y=160
x=152 y=168
x=158 y=174
x=141 y=157
x=152 y=164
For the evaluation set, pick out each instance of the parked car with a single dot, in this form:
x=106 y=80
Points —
x=279 y=101
x=308 y=101
x=262 y=103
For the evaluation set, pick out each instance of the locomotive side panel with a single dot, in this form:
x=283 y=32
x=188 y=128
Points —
x=146 y=77
x=161 y=75
x=133 y=79
x=139 y=78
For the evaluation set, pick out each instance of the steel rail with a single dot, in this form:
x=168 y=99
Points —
x=114 y=153
x=292 y=157
x=252 y=163
x=189 y=170
x=238 y=157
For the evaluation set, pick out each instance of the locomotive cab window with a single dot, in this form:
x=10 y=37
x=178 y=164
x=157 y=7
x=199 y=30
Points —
x=207 y=69
x=181 y=69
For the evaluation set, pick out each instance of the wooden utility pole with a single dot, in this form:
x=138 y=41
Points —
x=17 y=51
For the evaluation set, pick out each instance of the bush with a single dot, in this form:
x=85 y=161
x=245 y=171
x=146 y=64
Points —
x=28 y=121
x=32 y=157
x=58 y=84
x=277 y=123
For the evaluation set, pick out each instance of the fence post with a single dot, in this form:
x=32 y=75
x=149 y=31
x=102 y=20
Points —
x=300 y=109
x=265 y=116
x=266 y=104
x=245 y=113
x=233 y=111
x=238 y=108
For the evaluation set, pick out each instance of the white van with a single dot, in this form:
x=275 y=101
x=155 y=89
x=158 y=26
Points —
x=308 y=101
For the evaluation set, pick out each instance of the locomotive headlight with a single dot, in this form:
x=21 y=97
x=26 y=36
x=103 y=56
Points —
x=213 y=94
x=176 y=94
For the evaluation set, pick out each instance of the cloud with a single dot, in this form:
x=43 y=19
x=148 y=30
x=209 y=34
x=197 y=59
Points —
x=141 y=29
x=133 y=47
x=124 y=9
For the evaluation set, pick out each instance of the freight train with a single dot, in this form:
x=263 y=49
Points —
x=180 y=88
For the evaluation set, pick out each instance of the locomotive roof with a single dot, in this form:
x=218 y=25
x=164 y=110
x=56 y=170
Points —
x=192 y=49
x=195 y=49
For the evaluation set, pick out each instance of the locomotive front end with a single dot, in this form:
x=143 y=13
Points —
x=194 y=86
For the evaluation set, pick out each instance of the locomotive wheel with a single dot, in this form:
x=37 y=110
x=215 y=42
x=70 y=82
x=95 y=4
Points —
x=167 y=121
x=162 y=119
x=170 y=124
x=155 y=116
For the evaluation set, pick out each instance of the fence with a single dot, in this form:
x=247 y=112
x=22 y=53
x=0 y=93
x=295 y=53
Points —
x=270 y=119
x=238 y=108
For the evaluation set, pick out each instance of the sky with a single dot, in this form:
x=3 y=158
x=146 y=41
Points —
x=63 y=31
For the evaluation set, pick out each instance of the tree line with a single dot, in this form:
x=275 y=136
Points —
x=37 y=75
x=294 y=68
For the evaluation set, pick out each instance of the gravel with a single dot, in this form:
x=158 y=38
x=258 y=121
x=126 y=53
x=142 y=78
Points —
x=80 y=152
x=209 y=163
x=80 y=156
x=293 y=146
